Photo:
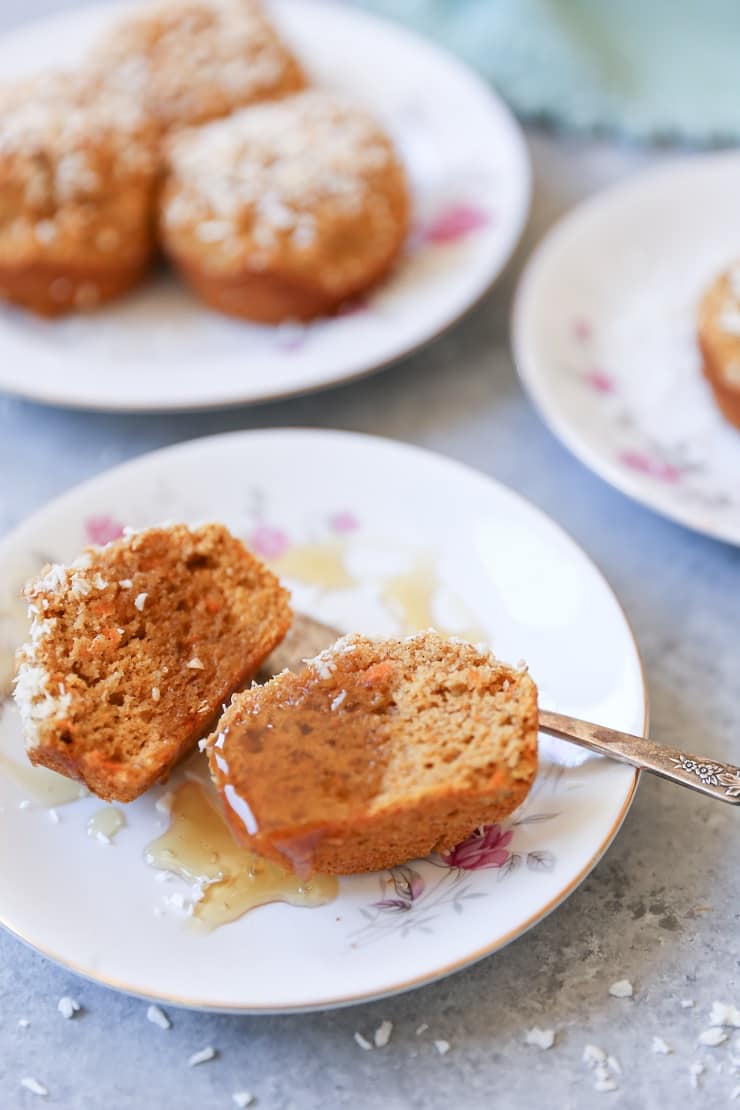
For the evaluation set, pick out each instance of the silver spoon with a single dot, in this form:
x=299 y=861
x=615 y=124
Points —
x=718 y=780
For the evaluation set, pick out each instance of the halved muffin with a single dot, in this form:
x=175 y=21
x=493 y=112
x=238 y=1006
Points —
x=376 y=753
x=134 y=648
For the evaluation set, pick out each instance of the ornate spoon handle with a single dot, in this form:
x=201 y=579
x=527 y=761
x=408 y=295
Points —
x=717 y=780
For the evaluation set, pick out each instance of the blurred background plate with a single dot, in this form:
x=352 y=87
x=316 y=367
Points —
x=604 y=337
x=159 y=349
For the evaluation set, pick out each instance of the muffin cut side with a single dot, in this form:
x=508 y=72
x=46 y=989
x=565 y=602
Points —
x=134 y=649
x=376 y=753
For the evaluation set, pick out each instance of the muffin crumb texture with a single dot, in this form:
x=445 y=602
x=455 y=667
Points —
x=376 y=753
x=107 y=687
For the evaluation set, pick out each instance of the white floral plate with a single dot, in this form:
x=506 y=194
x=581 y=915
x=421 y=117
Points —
x=159 y=349
x=370 y=535
x=604 y=336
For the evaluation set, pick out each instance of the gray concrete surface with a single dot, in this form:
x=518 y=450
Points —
x=661 y=909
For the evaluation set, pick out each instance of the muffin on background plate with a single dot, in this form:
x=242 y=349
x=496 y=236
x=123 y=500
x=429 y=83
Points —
x=189 y=61
x=719 y=340
x=78 y=173
x=285 y=210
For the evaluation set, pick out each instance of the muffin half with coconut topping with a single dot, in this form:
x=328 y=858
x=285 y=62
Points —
x=134 y=648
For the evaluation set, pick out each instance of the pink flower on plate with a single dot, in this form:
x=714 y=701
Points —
x=652 y=467
x=455 y=222
x=408 y=885
x=102 y=529
x=344 y=522
x=581 y=329
x=487 y=847
x=599 y=381
x=268 y=542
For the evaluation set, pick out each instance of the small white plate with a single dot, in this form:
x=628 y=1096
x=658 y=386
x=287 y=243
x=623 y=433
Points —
x=159 y=349
x=350 y=519
x=604 y=337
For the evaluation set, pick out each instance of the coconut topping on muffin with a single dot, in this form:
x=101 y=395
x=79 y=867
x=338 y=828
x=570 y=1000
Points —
x=195 y=60
x=265 y=169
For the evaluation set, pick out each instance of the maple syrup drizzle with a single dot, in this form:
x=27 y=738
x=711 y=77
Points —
x=105 y=823
x=317 y=564
x=408 y=596
x=45 y=787
x=198 y=846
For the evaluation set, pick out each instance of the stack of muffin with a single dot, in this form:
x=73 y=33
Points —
x=191 y=128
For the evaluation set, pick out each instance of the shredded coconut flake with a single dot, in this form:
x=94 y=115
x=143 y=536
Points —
x=338 y=700
x=422 y=1029
x=660 y=1047
x=621 y=989
x=363 y=1042
x=593 y=1055
x=140 y=600
x=155 y=693
x=202 y=1057
x=383 y=1034
x=687 y=1003
x=195 y=664
x=34 y=1086
x=157 y=1016
x=695 y=1071
x=442 y=1047
x=605 y=1084
x=68 y=1007
x=722 y=1013
x=242 y=1099
x=712 y=1037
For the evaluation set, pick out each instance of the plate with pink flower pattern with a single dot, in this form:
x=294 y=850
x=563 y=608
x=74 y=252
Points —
x=604 y=337
x=121 y=895
x=159 y=349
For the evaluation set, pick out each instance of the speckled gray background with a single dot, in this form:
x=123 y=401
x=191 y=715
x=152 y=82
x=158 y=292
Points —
x=661 y=909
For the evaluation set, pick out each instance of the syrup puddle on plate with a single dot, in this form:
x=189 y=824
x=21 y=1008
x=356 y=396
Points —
x=409 y=596
x=45 y=787
x=105 y=823
x=317 y=564
x=199 y=847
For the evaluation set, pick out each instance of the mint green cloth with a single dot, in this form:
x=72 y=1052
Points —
x=652 y=69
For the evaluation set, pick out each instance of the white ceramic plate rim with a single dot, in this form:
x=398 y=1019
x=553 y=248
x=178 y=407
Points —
x=455 y=468
x=360 y=365
x=534 y=375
